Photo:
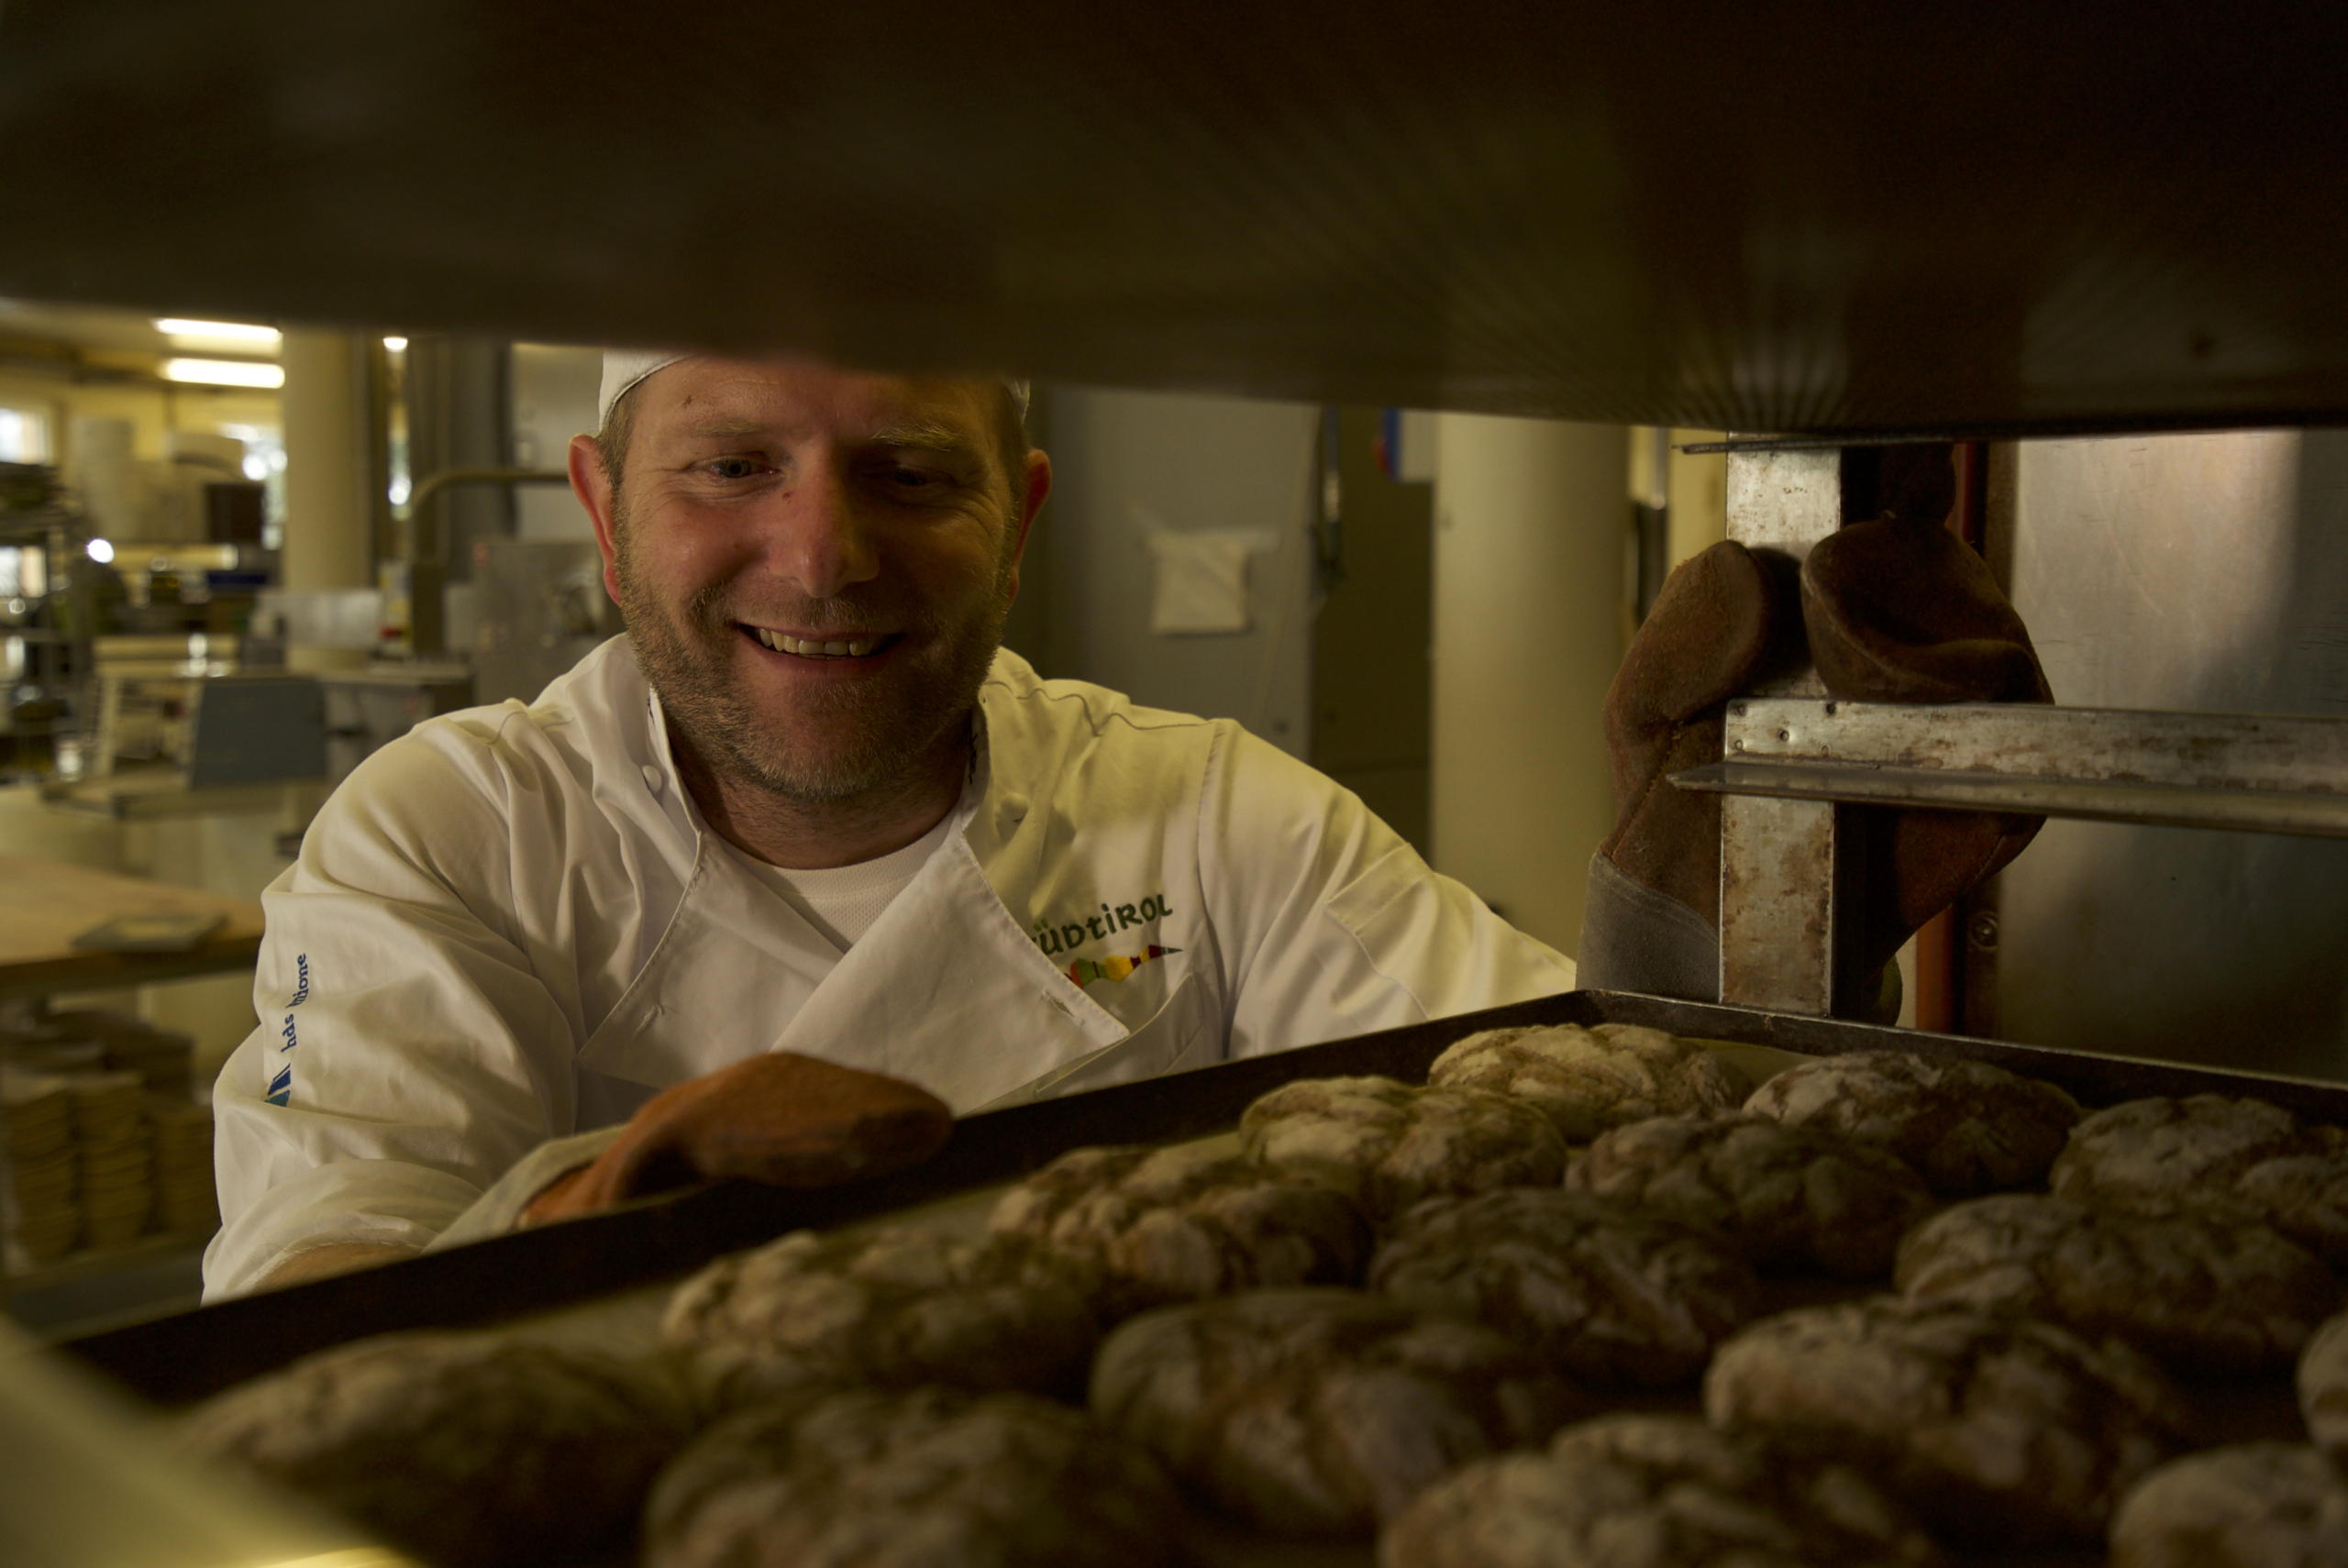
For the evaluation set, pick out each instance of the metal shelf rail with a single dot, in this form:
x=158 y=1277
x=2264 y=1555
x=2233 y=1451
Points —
x=1795 y=761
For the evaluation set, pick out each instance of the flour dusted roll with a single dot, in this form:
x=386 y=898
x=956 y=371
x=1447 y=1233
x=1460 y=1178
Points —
x=1316 y=1411
x=2165 y=1148
x=2265 y=1505
x=1587 y=1080
x=468 y=1449
x=924 y=1477
x=2304 y=1192
x=898 y=1305
x=1966 y=1127
x=2236 y=1160
x=1386 y=1144
x=2196 y=1295
x=1175 y=1224
x=1634 y=1491
x=2323 y=1388
x=2001 y=1432
x=1792 y=1197
x=1615 y=1296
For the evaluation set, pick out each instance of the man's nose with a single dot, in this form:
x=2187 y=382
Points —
x=817 y=537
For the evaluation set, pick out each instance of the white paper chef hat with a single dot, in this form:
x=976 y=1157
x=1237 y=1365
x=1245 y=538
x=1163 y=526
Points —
x=623 y=367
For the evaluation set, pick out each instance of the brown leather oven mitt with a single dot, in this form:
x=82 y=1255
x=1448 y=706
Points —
x=782 y=1118
x=1895 y=610
x=1900 y=610
x=1716 y=624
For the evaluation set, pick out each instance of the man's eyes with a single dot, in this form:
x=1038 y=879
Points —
x=925 y=480
x=894 y=475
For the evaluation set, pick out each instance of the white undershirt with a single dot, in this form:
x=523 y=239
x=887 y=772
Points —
x=842 y=901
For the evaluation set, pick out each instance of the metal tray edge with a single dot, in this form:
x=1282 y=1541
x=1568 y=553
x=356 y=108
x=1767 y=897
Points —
x=186 y=1355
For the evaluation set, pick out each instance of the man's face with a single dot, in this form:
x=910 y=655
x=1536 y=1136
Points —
x=813 y=564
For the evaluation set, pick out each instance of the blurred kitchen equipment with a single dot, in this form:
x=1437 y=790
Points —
x=540 y=607
x=366 y=708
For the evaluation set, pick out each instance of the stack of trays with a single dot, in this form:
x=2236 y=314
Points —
x=42 y=1216
x=104 y=1138
x=117 y=1042
x=65 y=1058
x=185 y=1199
x=115 y=1157
x=164 y=1063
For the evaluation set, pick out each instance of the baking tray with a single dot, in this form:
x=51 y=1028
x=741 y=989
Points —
x=177 y=1359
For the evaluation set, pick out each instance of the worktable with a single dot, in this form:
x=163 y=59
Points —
x=45 y=904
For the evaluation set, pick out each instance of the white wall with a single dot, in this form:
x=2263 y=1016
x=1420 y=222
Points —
x=1126 y=464
x=1699 y=488
x=1530 y=519
x=554 y=399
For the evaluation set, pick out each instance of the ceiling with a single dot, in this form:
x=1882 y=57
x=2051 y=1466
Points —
x=1803 y=217
x=131 y=332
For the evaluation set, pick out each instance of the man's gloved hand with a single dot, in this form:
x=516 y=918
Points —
x=1900 y=610
x=1895 y=610
x=1709 y=635
x=783 y=1119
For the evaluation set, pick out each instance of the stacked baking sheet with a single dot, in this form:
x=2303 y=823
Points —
x=42 y=1218
x=586 y=1265
x=186 y=1200
x=105 y=1142
x=112 y=1157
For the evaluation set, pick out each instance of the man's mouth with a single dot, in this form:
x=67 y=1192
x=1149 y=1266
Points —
x=813 y=648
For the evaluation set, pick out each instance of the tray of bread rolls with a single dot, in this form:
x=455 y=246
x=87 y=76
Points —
x=1601 y=1278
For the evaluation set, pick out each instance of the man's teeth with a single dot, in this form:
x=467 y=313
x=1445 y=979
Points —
x=807 y=648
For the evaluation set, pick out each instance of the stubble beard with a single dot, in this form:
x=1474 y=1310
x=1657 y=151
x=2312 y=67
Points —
x=876 y=741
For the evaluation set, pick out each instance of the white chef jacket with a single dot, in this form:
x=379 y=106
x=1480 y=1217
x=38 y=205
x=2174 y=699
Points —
x=513 y=925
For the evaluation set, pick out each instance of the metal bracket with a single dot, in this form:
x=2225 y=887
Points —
x=2261 y=773
x=1778 y=904
x=1777 y=856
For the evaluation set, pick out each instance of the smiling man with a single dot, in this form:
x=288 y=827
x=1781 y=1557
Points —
x=814 y=571
x=805 y=808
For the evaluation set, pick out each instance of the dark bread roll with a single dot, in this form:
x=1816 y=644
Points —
x=2164 y=1147
x=2323 y=1384
x=1587 y=1080
x=2262 y=1505
x=1634 y=1491
x=1164 y=1225
x=1966 y=1127
x=1617 y=1297
x=468 y=1449
x=1386 y=1144
x=923 y=1478
x=2196 y=1295
x=1792 y=1197
x=2001 y=1432
x=1319 y=1412
x=2236 y=1160
x=895 y=1307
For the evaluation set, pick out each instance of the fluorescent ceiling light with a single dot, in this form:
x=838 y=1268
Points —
x=396 y=344
x=225 y=372
x=217 y=331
